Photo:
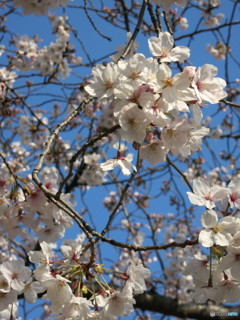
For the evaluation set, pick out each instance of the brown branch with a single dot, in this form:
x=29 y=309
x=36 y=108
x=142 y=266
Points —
x=112 y=215
x=125 y=15
x=136 y=30
x=192 y=34
x=82 y=150
x=156 y=23
x=230 y=103
x=15 y=177
x=93 y=24
x=166 y=20
x=157 y=303
x=181 y=173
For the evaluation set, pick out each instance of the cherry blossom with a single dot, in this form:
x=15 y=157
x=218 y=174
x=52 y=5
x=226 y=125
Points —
x=133 y=124
x=227 y=287
x=166 y=4
x=173 y=88
x=137 y=275
x=39 y=8
x=77 y=308
x=162 y=47
x=16 y=273
x=58 y=291
x=217 y=232
x=7 y=299
x=31 y=290
x=206 y=195
x=42 y=258
x=154 y=152
x=106 y=80
x=5 y=284
x=118 y=304
x=234 y=195
x=208 y=88
x=123 y=162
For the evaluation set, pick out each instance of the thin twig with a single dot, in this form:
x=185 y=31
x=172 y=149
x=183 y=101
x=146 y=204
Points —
x=53 y=135
x=166 y=19
x=136 y=30
x=180 y=172
x=192 y=34
x=230 y=103
x=93 y=24
x=15 y=177
x=112 y=215
x=154 y=19
x=82 y=150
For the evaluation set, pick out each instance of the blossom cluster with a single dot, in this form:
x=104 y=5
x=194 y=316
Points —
x=7 y=79
x=220 y=50
x=153 y=106
x=166 y=4
x=158 y=110
x=31 y=209
x=217 y=277
x=62 y=281
x=39 y=7
x=65 y=282
x=51 y=60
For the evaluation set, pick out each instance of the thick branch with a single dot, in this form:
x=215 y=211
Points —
x=156 y=303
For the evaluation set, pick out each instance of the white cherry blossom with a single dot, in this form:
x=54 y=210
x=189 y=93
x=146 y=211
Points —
x=7 y=298
x=208 y=88
x=118 y=304
x=154 y=152
x=166 y=4
x=198 y=267
x=133 y=122
x=173 y=88
x=5 y=284
x=137 y=275
x=43 y=259
x=175 y=135
x=77 y=308
x=39 y=7
x=105 y=81
x=156 y=112
x=16 y=273
x=216 y=232
x=132 y=69
x=206 y=195
x=123 y=162
x=234 y=194
x=162 y=47
x=31 y=289
x=58 y=291
x=228 y=288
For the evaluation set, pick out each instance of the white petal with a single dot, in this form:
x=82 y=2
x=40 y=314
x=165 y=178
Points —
x=195 y=199
x=180 y=54
x=206 y=238
x=201 y=187
x=209 y=219
x=223 y=239
x=109 y=164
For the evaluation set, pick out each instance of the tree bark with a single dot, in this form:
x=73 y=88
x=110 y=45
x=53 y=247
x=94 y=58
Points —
x=160 y=304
